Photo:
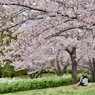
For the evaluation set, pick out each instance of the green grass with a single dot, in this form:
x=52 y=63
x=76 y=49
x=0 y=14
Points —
x=63 y=90
x=48 y=74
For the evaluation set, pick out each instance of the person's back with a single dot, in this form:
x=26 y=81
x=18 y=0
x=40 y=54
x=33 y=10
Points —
x=85 y=81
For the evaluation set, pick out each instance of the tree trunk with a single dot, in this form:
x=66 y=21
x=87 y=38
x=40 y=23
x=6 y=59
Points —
x=74 y=73
x=0 y=71
x=32 y=75
x=0 y=75
x=38 y=74
x=74 y=65
x=93 y=70
x=92 y=77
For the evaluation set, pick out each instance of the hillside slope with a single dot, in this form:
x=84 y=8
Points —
x=63 y=90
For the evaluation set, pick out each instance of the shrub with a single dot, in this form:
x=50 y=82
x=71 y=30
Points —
x=7 y=70
x=18 y=84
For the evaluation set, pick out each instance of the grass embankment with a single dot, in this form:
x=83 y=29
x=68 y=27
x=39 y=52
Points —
x=63 y=90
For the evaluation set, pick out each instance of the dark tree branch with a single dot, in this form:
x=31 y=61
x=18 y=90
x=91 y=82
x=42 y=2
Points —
x=33 y=18
x=85 y=67
x=80 y=58
x=64 y=30
x=25 y=6
x=66 y=15
x=7 y=28
x=68 y=50
x=59 y=2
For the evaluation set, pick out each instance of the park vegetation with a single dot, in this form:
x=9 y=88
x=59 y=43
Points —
x=47 y=35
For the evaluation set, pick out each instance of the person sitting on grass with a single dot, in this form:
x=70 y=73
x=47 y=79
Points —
x=80 y=82
x=83 y=81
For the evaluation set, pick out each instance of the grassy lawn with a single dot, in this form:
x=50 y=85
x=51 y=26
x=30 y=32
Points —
x=63 y=90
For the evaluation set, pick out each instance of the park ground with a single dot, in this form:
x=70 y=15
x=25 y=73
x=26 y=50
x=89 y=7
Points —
x=63 y=90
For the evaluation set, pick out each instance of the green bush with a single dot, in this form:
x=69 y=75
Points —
x=18 y=84
x=12 y=85
x=7 y=70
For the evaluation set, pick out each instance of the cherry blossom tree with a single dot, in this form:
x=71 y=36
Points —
x=44 y=27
